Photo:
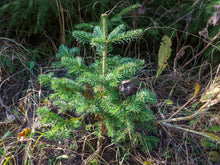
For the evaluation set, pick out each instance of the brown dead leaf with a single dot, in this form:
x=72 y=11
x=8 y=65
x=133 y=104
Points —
x=197 y=89
x=21 y=106
x=181 y=53
x=149 y=162
x=212 y=94
x=204 y=33
x=215 y=19
x=142 y=9
x=24 y=133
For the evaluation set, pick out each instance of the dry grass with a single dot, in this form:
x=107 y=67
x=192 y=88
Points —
x=176 y=146
x=21 y=95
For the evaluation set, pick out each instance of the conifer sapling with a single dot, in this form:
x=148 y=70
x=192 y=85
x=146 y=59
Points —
x=94 y=89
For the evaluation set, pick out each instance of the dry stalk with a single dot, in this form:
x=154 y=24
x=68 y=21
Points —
x=202 y=51
x=200 y=111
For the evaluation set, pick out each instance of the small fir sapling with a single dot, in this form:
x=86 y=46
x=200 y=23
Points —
x=96 y=89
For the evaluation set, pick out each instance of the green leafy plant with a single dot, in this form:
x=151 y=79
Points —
x=164 y=54
x=94 y=89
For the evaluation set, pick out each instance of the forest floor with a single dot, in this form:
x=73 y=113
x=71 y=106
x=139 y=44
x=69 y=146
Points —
x=187 y=111
x=188 y=141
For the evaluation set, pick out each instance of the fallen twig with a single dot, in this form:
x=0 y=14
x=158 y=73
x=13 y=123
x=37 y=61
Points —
x=208 y=135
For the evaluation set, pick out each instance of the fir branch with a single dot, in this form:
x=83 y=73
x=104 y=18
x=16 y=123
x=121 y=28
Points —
x=64 y=51
x=82 y=36
x=104 y=25
x=61 y=128
x=125 y=37
x=74 y=65
x=46 y=79
x=127 y=70
x=98 y=33
x=119 y=29
x=124 y=11
x=145 y=96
